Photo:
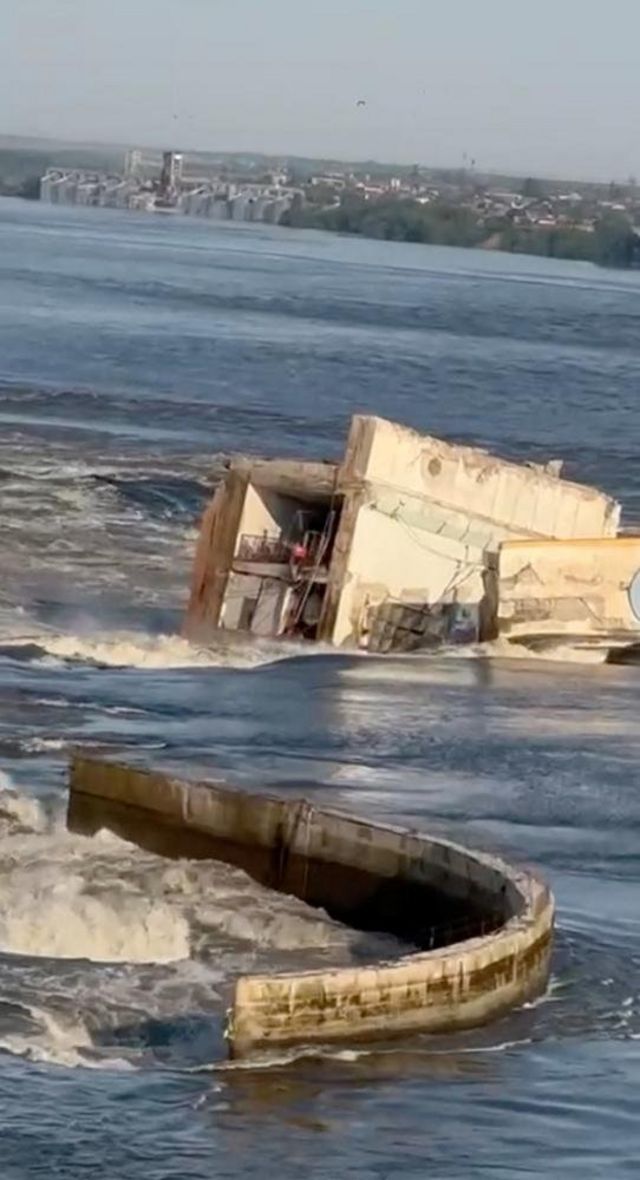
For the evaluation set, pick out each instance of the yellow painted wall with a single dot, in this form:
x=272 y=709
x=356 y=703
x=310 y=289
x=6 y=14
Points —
x=567 y=586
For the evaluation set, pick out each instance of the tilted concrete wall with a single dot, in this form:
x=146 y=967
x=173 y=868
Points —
x=568 y=587
x=427 y=513
x=355 y=869
x=214 y=556
x=526 y=501
x=257 y=517
x=404 y=549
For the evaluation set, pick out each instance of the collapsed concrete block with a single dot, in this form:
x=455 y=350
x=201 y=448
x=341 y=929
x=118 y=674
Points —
x=322 y=551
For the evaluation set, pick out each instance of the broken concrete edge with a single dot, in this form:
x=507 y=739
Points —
x=460 y=985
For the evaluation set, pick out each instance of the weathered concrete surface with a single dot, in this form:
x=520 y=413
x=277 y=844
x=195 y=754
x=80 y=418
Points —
x=526 y=500
x=431 y=516
x=291 y=477
x=490 y=925
x=215 y=551
x=456 y=987
x=413 y=521
x=569 y=587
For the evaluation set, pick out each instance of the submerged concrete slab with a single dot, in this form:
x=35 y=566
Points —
x=483 y=930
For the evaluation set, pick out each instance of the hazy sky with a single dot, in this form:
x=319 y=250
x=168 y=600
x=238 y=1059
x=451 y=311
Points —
x=545 y=86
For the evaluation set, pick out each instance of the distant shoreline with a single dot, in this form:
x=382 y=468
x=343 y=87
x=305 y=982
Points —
x=612 y=242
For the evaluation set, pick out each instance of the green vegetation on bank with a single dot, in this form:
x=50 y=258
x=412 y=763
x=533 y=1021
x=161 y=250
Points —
x=21 y=169
x=612 y=241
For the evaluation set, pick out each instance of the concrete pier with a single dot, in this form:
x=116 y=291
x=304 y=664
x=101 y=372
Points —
x=478 y=932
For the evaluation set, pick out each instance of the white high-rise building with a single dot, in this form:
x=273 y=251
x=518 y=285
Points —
x=133 y=164
x=172 y=171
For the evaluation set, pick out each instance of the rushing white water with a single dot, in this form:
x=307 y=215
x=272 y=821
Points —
x=121 y=650
x=138 y=649
x=62 y=896
x=41 y=915
x=59 y=1041
x=111 y=935
x=103 y=900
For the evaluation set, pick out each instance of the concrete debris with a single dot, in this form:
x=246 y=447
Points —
x=407 y=543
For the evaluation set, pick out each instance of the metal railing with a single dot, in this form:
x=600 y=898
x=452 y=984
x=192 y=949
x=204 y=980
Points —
x=271 y=550
x=275 y=550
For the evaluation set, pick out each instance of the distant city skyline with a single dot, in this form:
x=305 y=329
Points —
x=551 y=90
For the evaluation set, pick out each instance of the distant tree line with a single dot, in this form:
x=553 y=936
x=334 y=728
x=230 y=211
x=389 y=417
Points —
x=613 y=241
x=394 y=221
x=28 y=189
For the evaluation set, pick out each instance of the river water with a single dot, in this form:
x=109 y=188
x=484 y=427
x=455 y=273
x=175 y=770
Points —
x=134 y=354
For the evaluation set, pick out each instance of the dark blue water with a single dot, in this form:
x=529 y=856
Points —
x=134 y=354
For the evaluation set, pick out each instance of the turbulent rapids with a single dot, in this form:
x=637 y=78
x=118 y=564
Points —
x=99 y=931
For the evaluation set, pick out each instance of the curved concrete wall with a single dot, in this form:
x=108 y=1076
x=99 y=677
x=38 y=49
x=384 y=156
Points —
x=466 y=984
x=375 y=877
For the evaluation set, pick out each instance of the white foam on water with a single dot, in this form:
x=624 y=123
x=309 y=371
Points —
x=66 y=897
x=130 y=651
x=409 y=667
x=274 y=1059
x=467 y=1050
x=98 y=935
x=504 y=649
x=60 y=920
x=40 y=745
x=65 y=703
x=60 y=1042
x=137 y=649
x=79 y=1015
x=553 y=994
x=20 y=809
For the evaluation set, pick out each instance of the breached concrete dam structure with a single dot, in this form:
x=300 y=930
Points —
x=408 y=542
x=478 y=932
